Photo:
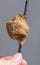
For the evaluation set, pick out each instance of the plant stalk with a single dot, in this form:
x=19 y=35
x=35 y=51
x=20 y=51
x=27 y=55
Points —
x=25 y=9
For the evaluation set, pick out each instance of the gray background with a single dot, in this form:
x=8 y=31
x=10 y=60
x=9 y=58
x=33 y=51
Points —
x=31 y=48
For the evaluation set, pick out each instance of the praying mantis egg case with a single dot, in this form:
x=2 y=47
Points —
x=18 y=28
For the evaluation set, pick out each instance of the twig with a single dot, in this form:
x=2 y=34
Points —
x=19 y=49
x=25 y=9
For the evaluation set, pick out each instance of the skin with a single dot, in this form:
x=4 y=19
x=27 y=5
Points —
x=13 y=60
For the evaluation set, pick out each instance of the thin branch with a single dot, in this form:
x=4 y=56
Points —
x=19 y=49
x=25 y=9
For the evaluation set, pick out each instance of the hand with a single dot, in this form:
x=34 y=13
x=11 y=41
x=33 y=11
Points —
x=13 y=60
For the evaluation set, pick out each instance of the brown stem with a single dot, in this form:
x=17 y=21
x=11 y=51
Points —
x=19 y=49
x=25 y=9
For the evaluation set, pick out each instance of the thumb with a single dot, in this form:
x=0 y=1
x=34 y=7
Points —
x=17 y=59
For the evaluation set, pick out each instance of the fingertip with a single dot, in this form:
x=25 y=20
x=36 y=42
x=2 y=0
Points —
x=17 y=58
x=24 y=62
x=17 y=55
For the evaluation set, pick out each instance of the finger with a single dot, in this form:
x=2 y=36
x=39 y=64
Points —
x=24 y=62
x=17 y=59
x=17 y=55
x=10 y=57
x=7 y=57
